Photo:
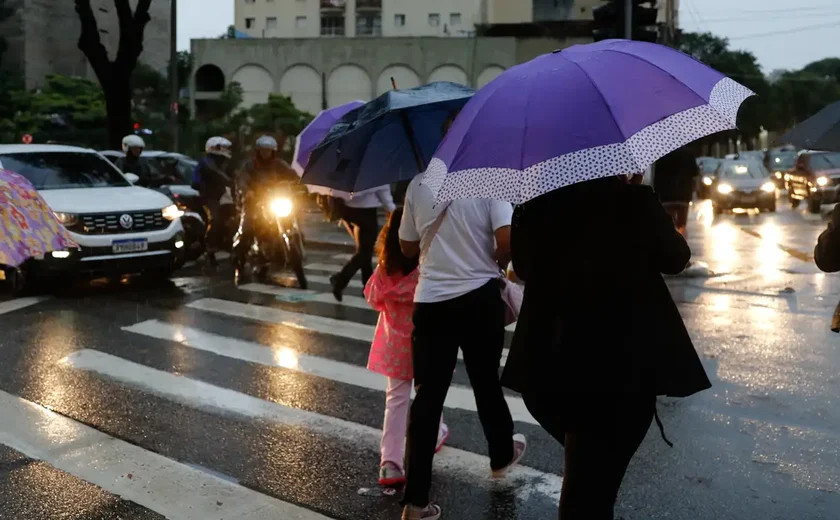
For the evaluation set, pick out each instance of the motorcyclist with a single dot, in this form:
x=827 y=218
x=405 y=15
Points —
x=258 y=175
x=133 y=146
x=211 y=178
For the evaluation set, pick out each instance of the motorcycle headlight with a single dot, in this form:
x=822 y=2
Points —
x=768 y=187
x=724 y=189
x=822 y=181
x=67 y=219
x=172 y=212
x=707 y=181
x=281 y=207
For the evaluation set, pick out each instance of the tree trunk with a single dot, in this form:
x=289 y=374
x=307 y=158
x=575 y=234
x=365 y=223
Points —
x=118 y=106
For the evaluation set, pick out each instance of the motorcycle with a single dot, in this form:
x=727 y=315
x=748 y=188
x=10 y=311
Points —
x=278 y=240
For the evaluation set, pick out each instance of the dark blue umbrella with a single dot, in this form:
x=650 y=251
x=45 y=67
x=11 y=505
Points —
x=388 y=140
x=819 y=132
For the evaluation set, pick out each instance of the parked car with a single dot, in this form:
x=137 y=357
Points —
x=708 y=166
x=815 y=179
x=742 y=184
x=120 y=228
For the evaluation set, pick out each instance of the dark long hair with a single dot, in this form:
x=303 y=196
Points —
x=388 y=247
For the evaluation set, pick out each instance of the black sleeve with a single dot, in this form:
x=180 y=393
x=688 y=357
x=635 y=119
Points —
x=520 y=242
x=827 y=250
x=670 y=250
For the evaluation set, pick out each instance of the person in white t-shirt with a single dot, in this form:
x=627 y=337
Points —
x=458 y=303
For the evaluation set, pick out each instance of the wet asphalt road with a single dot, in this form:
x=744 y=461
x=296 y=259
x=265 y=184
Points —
x=262 y=388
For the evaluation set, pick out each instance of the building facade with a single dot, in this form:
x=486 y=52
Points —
x=404 y=18
x=324 y=72
x=42 y=37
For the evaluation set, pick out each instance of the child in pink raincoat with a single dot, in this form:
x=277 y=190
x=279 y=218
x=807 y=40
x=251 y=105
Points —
x=391 y=292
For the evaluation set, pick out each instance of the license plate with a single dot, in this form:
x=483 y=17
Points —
x=130 y=246
x=749 y=200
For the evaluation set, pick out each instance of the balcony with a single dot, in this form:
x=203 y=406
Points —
x=368 y=5
x=333 y=5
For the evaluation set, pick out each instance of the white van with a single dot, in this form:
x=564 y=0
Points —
x=120 y=228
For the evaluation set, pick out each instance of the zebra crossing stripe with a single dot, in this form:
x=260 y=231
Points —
x=525 y=482
x=458 y=397
x=169 y=488
x=306 y=295
x=20 y=303
x=309 y=322
x=325 y=280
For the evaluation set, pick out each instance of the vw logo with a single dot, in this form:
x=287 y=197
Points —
x=126 y=221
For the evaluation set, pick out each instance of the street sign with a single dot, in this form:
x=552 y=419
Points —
x=27 y=139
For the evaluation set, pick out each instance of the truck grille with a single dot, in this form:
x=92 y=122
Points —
x=109 y=223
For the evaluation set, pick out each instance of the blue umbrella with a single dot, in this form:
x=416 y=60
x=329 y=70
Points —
x=388 y=140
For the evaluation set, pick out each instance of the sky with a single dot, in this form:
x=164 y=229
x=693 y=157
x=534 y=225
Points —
x=780 y=36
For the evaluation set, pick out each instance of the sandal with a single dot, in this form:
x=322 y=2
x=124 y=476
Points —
x=430 y=512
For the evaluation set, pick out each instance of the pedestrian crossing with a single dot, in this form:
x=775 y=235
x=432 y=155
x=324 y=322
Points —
x=257 y=354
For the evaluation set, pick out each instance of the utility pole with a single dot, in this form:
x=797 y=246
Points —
x=628 y=19
x=174 y=89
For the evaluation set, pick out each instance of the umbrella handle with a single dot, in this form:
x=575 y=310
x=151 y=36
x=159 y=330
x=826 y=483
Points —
x=393 y=83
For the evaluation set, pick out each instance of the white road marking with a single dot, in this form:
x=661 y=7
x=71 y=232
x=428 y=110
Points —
x=307 y=295
x=20 y=303
x=329 y=268
x=310 y=322
x=344 y=257
x=325 y=280
x=171 y=489
x=290 y=358
x=314 y=296
x=525 y=481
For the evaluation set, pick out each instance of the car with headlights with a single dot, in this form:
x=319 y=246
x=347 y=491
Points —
x=120 y=228
x=742 y=184
x=707 y=166
x=815 y=179
x=781 y=162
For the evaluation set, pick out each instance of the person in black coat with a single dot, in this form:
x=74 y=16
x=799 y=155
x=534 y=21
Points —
x=599 y=336
x=674 y=179
x=827 y=250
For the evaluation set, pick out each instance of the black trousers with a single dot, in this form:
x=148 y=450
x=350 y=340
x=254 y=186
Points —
x=475 y=323
x=215 y=226
x=245 y=234
x=600 y=436
x=365 y=226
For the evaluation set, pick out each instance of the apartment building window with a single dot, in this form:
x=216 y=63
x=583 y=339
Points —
x=455 y=19
x=300 y=22
x=332 y=25
x=368 y=24
x=399 y=20
x=250 y=22
x=270 y=23
x=434 y=20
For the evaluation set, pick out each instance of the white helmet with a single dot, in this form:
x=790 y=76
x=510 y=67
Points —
x=132 y=141
x=219 y=146
x=267 y=142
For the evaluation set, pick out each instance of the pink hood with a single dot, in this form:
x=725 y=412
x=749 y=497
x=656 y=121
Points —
x=383 y=289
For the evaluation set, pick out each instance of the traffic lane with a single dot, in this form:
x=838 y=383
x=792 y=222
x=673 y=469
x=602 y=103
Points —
x=764 y=442
x=768 y=242
x=33 y=490
x=321 y=471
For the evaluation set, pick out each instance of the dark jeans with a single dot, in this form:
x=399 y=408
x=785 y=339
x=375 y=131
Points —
x=474 y=322
x=245 y=235
x=365 y=226
x=600 y=436
x=215 y=226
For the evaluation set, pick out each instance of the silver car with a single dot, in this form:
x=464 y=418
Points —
x=742 y=184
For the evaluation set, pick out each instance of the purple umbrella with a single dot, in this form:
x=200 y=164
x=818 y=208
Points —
x=314 y=133
x=586 y=112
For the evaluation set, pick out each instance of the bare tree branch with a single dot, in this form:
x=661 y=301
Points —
x=132 y=28
x=90 y=44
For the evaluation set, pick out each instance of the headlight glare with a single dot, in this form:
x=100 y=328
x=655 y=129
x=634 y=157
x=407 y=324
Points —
x=768 y=187
x=724 y=189
x=822 y=181
x=281 y=207
x=707 y=181
x=172 y=212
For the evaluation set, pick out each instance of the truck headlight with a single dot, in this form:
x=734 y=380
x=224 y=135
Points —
x=768 y=187
x=724 y=189
x=67 y=219
x=281 y=206
x=172 y=212
x=822 y=181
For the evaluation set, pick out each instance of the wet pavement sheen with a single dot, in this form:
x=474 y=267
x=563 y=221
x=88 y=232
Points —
x=763 y=443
